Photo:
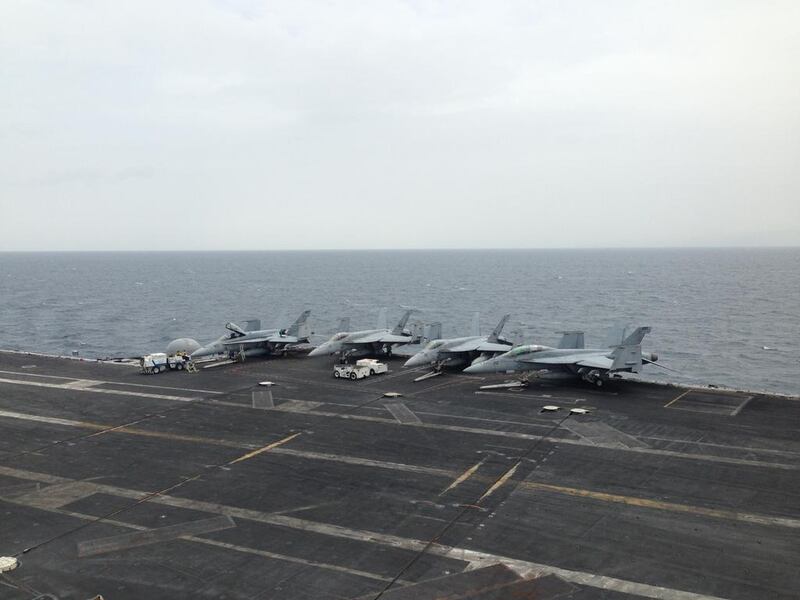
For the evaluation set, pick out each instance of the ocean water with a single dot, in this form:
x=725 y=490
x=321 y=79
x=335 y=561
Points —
x=728 y=317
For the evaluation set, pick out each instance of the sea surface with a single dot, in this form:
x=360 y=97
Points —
x=729 y=317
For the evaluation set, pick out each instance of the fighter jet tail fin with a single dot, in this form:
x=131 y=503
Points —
x=344 y=324
x=495 y=336
x=571 y=340
x=252 y=325
x=300 y=328
x=401 y=324
x=628 y=356
x=382 y=323
x=475 y=329
x=637 y=336
x=432 y=331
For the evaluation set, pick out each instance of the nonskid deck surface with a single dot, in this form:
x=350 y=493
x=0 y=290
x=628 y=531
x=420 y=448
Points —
x=205 y=486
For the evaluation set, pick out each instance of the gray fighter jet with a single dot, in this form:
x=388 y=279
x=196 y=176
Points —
x=369 y=342
x=594 y=366
x=262 y=342
x=463 y=351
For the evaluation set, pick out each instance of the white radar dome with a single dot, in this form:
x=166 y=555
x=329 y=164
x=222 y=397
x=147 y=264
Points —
x=187 y=345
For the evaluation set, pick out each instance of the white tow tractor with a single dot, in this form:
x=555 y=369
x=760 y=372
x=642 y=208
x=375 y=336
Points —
x=375 y=367
x=363 y=368
x=152 y=364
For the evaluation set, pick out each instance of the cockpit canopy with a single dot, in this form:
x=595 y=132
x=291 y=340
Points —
x=339 y=337
x=520 y=350
x=434 y=344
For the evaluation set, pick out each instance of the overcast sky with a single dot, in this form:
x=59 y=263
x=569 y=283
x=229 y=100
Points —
x=233 y=124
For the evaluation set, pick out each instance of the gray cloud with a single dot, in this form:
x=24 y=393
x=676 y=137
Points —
x=398 y=124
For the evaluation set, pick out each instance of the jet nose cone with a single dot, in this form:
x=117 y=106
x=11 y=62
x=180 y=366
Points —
x=416 y=360
x=200 y=353
x=319 y=351
x=487 y=366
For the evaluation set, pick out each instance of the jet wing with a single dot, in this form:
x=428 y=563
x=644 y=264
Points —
x=477 y=346
x=380 y=337
x=391 y=338
x=493 y=347
x=469 y=346
x=275 y=339
x=596 y=362
x=579 y=360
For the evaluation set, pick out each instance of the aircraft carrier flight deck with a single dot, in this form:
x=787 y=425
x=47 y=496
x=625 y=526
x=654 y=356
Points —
x=209 y=485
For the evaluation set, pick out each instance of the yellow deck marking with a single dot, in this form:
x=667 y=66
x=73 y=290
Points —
x=463 y=477
x=497 y=484
x=661 y=505
x=266 y=448
x=172 y=436
x=475 y=558
x=530 y=485
x=674 y=400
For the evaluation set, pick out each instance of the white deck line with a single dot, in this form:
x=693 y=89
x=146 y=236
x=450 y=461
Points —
x=475 y=558
x=96 y=390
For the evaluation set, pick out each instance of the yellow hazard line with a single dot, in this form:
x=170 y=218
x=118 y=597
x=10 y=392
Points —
x=674 y=400
x=463 y=477
x=661 y=505
x=266 y=448
x=497 y=484
x=529 y=485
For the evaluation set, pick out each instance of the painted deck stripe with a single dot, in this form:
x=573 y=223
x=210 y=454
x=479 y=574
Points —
x=153 y=536
x=237 y=548
x=463 y=477
x=125 y=383
x=480 y=431
x=475 y=558
x=97 y=390
x=599 y=433
x=666 y=506
x=676 y=398
x=499 y=483
x=262 y=399
x=574 y=442
x=266 y=448
x=739 y=408
x=433 y=471
x=402 y=413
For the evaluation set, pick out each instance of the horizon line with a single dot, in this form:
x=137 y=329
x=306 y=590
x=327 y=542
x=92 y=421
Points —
x=421 y=249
